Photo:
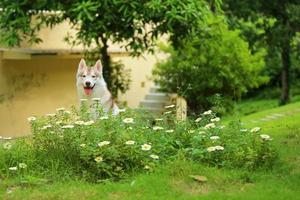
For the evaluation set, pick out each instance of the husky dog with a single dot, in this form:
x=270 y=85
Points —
x=91 y=86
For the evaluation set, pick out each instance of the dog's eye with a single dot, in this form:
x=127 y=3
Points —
x=94 y=76
x=83 y=76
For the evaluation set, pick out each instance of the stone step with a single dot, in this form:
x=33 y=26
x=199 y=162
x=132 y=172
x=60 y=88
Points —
x=153 y=104
x=154 y=89
x=157 y=96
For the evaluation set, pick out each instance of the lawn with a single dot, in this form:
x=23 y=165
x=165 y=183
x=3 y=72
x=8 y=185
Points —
x=172 y=181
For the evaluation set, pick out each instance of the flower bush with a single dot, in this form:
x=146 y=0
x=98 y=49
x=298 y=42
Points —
x=69 y=143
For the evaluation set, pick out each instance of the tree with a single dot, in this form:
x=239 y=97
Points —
x=136 y=23
x=286 y=25
x=217 y=61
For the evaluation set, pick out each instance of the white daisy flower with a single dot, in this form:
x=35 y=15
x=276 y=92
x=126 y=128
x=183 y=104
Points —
x=7 y=138
x=46 y=127
x=128 y=120
x=122 y=110
x=60 y=109
x=214 y=137
x=219 y=148
x=201 y=132
x=98 y=159
x=155 y=157
x=255 y=130
x=100 y=144
x=82 y=145
x=159 y=119
x=79 y=122
x=96 y=99
x=22 y=165
x=69 y=126
x=265 y=137
x=170 y=106
x=31 y=119
x=168 y=112
x=198 y=119
x=7 y=145
x=103 y=118
x=221 y=127
x=207 y=112
x=170 y=131
x=13 y=168
x=210 y=125
x=244 y=130
x=130 y=142
x=50 y=115
x=88 y=123
x=211 y=149
x=215 y=148
x=147 y=167
x=215 y=119
x=156 y=128
x=58 y=122
x=146 y=147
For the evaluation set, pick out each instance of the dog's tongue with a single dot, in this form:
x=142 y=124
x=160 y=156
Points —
x=88 y=91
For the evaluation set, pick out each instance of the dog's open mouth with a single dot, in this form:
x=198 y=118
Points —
x=88 y=90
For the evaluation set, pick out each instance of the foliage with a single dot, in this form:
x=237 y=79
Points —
x=134 y=25
x=253 y=30
x=217 y=61
x=69 y=145
x=285 y=16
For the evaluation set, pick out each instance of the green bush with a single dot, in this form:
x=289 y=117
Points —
x=70 y=145
x=216 y=61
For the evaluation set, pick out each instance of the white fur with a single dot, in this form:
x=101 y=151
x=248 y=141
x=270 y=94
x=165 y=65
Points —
x=99 y=90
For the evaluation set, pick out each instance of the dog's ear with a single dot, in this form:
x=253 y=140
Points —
x=81 y=65
x=98 y=66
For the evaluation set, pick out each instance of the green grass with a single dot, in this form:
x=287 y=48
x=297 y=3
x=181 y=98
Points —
x=172 y=180
x=263 y=101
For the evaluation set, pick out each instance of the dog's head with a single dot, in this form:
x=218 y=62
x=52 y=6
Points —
x=87 y=77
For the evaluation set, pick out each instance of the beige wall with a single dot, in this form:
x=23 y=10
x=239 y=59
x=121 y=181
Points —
x=34 y=87
x=53 y=38
x=140 y=73
x=43 y=83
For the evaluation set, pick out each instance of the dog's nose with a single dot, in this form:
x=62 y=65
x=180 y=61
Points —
x=88 y=84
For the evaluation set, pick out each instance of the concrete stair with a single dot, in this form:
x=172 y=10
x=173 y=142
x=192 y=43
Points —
x=155 y=101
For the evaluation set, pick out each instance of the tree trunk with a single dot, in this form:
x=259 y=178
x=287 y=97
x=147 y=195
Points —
x=106 y=63
x=286 y=63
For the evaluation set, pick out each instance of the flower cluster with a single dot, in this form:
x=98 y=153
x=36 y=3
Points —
x=215 y=148
x=111 y=146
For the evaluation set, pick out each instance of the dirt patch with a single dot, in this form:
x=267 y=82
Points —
x=193 y=188
x=116 y=195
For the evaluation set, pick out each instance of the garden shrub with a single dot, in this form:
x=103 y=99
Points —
x=215 y=61
x=70 y=144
